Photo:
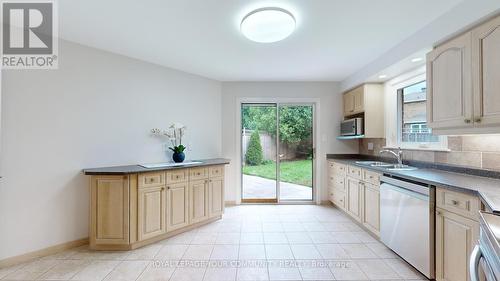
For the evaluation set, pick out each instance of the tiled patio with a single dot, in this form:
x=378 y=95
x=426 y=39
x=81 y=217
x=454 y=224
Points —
x=251 y=242
x=261 y=188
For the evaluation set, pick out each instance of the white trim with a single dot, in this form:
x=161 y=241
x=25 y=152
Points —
x=316 y=164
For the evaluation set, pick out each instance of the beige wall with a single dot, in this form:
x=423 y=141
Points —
x=96 y=110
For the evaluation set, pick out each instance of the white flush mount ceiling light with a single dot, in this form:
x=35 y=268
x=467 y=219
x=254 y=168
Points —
x=416 y=59
x=267 y=25
x=382 y=76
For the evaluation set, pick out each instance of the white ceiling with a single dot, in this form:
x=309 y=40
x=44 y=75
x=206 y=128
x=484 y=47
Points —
x=334 y=38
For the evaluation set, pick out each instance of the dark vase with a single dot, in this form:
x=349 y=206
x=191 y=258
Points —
x=178 y=157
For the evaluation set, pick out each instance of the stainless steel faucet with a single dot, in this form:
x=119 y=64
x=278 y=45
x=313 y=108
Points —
x=398 y=154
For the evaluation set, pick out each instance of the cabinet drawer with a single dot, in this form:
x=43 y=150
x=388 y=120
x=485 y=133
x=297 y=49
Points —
x=151 y=179
x=176 y=176
x=198 y=173
x=371 y=177
x=216 y=171
x=339 y=169
x=354 y=172
x=339 y=183
x=459 y=203
x=339 y=199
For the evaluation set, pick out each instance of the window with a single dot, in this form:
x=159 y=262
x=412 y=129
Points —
x=413 y=118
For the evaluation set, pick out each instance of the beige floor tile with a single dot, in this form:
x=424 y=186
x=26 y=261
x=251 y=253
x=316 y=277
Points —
x=252 y=238
x=332 y=251
x=8 y=270
x=183 y=238
x=171 y=252
x=275 y=238
x=203 y=238
x=65 y=270
x=220 y=274
x=345 y=237
x=32 y=270
x=335 y=226
x=225 y=252
x=292 y=227
x=377 y=269
x=365 y=237
x=144 y=253
x=321 y=237
x=252 y=274
x=230 y=227
x=358 y=251
x=403 y=269
x=96 y=270
x=313 y=226
x=305 y=251
x=198 y=252
x=157 y=272
x=127 y=270
x=251 y=227
x=298 y=238
x=284 y=273
x=252 y=252
x=347 y=270
x=278 y=252
x=381 y=250
x=315 y=270
x=228 y=238
x=188 y=274
x=272 y=227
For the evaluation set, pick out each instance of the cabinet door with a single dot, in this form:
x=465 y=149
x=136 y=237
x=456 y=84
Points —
x=371 y=208
x=151 y=212
x=359 y=99
x=177 y=206
x=456 y=236
x=198 y=201
x=449 y=84
x=348 y=104
x=216 y=197
x=353 y=200
x=486 y=73
x=109 y=210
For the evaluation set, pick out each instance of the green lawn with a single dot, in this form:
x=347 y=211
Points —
x=298 y=172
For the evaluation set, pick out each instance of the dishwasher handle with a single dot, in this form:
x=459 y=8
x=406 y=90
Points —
x=410 y=186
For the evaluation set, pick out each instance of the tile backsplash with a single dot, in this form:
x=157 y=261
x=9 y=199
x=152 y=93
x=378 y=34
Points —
x=474 y=151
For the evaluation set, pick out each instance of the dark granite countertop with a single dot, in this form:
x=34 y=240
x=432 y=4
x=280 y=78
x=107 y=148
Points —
x=488 y=189
x=133 y=169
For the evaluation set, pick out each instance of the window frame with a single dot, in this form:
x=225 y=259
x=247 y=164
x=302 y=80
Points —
x=441 y=145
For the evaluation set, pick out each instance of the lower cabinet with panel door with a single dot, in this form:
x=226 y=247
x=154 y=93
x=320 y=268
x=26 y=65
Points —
x=135 y=209
x=354 y=199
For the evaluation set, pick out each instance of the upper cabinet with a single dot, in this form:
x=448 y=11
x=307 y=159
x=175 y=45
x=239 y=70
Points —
x=367 y=101
x=463 y=81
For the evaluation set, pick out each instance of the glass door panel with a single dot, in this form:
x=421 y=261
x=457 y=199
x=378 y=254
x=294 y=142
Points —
x=296 y=148
x=259 y=153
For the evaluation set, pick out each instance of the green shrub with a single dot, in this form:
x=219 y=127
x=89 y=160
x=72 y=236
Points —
x=254 y=155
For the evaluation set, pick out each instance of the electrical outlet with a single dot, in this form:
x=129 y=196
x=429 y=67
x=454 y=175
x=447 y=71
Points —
x=370 y=146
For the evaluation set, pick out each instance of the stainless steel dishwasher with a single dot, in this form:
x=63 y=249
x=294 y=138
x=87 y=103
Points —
x=407 y=221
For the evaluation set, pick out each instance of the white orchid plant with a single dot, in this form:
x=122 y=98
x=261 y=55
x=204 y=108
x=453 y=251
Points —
x=174 y=133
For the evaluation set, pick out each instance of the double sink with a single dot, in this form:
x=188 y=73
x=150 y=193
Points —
x=387 y=166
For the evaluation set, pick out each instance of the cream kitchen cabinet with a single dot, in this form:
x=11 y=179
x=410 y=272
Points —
x=354 y=189
x=486 y=73
x=462 y=82
x=151 y=212
x=366 y=101
x=198 y=200
x=371 y=207
x=178 y=206
x=456 y=236
x=457 y=232
x=215 y=196
x=135 y=209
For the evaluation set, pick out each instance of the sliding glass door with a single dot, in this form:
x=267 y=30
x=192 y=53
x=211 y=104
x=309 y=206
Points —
x=277 y=142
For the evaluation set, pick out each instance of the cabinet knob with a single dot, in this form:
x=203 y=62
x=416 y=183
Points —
x=163 y=188
x=477 y=120
x=467 y=121
x=168 y=187
x=454 y=202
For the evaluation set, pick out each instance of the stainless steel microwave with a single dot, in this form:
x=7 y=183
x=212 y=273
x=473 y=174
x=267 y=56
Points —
x=351 y=127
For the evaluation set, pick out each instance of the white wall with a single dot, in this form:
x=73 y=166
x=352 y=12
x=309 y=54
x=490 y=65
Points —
x=95 y=110
x=328 y=116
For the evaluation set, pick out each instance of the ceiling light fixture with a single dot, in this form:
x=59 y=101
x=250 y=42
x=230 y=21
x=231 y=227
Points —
x=416 y=59
x=382 y=76
x=268 y=25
